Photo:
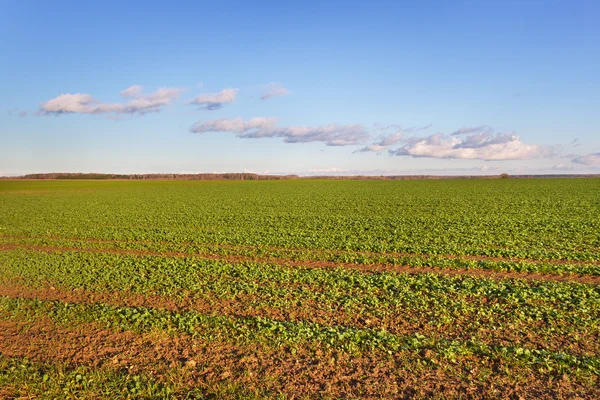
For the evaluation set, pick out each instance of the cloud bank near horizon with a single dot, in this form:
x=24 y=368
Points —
x=477 y=143
x=588 y=159
x=483 y=145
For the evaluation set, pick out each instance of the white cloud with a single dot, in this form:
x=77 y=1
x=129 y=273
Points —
x=83 y=103
x=214 y=101
x=588 y=159
x=263 y=127
x=272 y=90
x=481 y=146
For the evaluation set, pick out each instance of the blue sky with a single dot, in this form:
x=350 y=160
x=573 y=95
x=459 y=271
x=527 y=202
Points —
x=399 y=87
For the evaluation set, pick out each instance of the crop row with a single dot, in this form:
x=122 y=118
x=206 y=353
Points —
x=284 y=333
x=167 y=275
x=549 y=313
x=332 y=256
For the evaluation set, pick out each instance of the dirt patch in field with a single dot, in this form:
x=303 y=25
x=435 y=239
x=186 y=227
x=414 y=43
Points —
x=526 y=334
x=587 y=279
x=299 y=372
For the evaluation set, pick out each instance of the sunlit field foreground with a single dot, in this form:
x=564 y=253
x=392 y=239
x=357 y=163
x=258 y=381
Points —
x=300 y=289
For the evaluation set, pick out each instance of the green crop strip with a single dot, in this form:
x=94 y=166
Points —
x=284 y=255
x=465 y=303
x=541 y=219
x=277 y=333
x=166 y=275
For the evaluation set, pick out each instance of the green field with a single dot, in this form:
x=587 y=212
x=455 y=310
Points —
x=483 y=288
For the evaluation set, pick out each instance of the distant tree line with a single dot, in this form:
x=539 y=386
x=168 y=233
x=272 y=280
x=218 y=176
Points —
x=257 y=177
x=200 y=177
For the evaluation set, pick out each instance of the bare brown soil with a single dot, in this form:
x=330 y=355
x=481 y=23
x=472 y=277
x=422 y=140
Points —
x=308 y=371
x=527 y=334
x=587 y=279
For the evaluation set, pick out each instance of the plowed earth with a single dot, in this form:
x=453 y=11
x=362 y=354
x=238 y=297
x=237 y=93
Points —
x=266 y=370
x=530 y=335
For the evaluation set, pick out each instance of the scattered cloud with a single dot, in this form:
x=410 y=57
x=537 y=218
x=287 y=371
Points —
x=132 y=91
x=272 y=90
x=575 y=142
x=391 y=139
x=588 y=159
x=383 y=143
x=482 y=146
x=397 y=127
x=417 y=128
x=214 y=101
x=82 y=103
x=266 y=127
x=235 y=125
x=472 y=129
x=374 y=148
x=381 y=127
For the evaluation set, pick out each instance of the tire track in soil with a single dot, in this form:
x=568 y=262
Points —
x=480 y=273
x=259 y=368
x=586 y=345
